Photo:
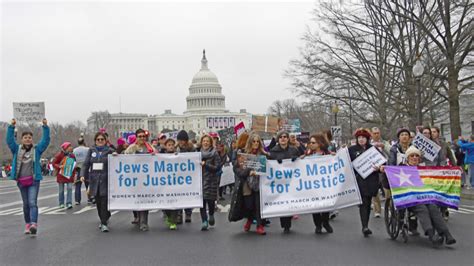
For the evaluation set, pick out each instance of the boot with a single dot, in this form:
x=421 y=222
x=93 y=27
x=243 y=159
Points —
x=449 y=238
x=318 y=230
x=328 y=227
x=247 y=225
x=179 y=217
x=366 y=231
x=188 y=218
x=261 y=230
x=435 y=239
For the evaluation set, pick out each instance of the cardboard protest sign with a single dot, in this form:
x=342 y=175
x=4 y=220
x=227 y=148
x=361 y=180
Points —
x=30 y=112
x=239 y=129
x=428 y=148
x=226 y=136
x=265 y=123
x=161 y=181
x=365 y=163
x=311 y=185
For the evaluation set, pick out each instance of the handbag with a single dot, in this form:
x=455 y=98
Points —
x=26 y=181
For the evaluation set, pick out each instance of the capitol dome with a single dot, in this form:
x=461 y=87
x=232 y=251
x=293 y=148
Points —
x=205 y=92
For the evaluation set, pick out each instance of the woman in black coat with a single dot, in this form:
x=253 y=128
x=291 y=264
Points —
x=95 y=171
x=369 y=186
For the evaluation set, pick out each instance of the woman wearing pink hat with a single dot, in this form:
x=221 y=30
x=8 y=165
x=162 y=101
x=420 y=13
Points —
x=62 y=163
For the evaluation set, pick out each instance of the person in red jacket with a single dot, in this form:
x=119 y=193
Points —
x=63 y=164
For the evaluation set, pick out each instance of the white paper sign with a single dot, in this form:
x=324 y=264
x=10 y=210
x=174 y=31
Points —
x=310 y=185
x=336 y=131
x=29 y=112
x=227 y=177
x=428 y=148
x=365 y=163
x=162 y=181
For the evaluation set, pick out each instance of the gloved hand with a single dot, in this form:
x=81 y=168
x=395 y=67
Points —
x=279 y=161
x=294 y=158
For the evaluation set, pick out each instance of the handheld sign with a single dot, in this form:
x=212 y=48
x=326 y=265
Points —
x=336 y=131
x=365 y=163
x=29 y=112
x=254 y=162
x=428 y=148
x=227 y=177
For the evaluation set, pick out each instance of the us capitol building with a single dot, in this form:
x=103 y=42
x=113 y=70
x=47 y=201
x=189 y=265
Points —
x=205 y=110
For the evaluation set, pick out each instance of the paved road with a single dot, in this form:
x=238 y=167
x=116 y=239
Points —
x=72 y=237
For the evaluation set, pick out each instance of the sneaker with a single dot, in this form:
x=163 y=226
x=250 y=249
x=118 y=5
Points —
x=366 y=231
x=27 y=229
x=247 y=225
x=69 y=206
x=212 y=221
x=204 y=226
x=33 y=229
x=135 y=221
x=77 y=203
x=104 y=228
x=377 y=215
x=261 y=230
x=333 y=215
x=188 y=218
x=144 y=227
x=61 y=206
x=413 y=232
x=450 y=239
x=173 y=226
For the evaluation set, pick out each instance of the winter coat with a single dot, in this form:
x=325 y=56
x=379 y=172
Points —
x=369 y=186
x=16 y=148
x=397 y=155
x=188 y=148
x=98 y=179
x=468 y=147
x=278 y=153
x=58 y=158
x=210 y=180
x=444 y=154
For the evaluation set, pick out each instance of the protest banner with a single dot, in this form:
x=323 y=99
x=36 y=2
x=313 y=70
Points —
x=411 y=185
x=303 y=137
x=161 y=181
x=310 y=185
x=291 y=125
x=227 y=177
x=172 y=135
x=31 y=112
x=265 y=123
x=428 y=148
x=365 y=163
x=227 y=136
x=239 y=129
x=258 y=163
x=67 y=167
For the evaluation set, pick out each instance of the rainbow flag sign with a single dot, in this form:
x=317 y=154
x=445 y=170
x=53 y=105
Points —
x=412 y=185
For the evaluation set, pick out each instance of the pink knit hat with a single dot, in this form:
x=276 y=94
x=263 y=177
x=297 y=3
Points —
x=120 y=141
x=131 y=139
x=65 y=145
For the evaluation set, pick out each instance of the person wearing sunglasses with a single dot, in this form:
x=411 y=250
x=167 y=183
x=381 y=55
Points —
x=141 y=146
x=95 y=171
x=318 y=146
x=26 y=170
x=280 y=152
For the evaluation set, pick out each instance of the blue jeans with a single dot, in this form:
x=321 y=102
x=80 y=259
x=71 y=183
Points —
x=68 y=194
x=471 y=174
x=29 y=195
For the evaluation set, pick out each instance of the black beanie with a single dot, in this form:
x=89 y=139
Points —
x=182 y=135
x=402 y=130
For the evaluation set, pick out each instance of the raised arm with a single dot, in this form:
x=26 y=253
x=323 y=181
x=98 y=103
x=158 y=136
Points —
x=12 y=145
x=45 y=139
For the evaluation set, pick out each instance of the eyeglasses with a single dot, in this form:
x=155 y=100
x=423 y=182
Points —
x=141 y=136
x=100 y=139
x=283 y=137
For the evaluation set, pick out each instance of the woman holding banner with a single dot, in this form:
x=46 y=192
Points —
x=280 y=152
x=26 y=170
x=60 y=164
x=141 y=147
x=369 y=186
x=249 y=185
x=318 y=146
x=210 y=183
x=95 y=171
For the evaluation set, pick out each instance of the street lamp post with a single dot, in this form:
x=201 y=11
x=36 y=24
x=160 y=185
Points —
x=335 y=110
x=418 y=70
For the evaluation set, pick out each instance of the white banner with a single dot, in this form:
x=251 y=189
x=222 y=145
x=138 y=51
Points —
x=162 y=181
x=33 y=112
x=227 y=177
x=428 y=147
x=311 y=185
x=365 y=163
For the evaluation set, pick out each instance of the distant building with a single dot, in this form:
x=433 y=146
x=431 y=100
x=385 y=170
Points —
x=205 y=110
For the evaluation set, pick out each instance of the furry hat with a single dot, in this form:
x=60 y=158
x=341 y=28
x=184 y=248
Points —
x=362 y=132
x=412 y=150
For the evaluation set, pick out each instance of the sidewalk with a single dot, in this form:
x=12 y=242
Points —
x=467 y=193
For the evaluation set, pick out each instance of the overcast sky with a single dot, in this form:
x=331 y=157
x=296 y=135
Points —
x=81 y=57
